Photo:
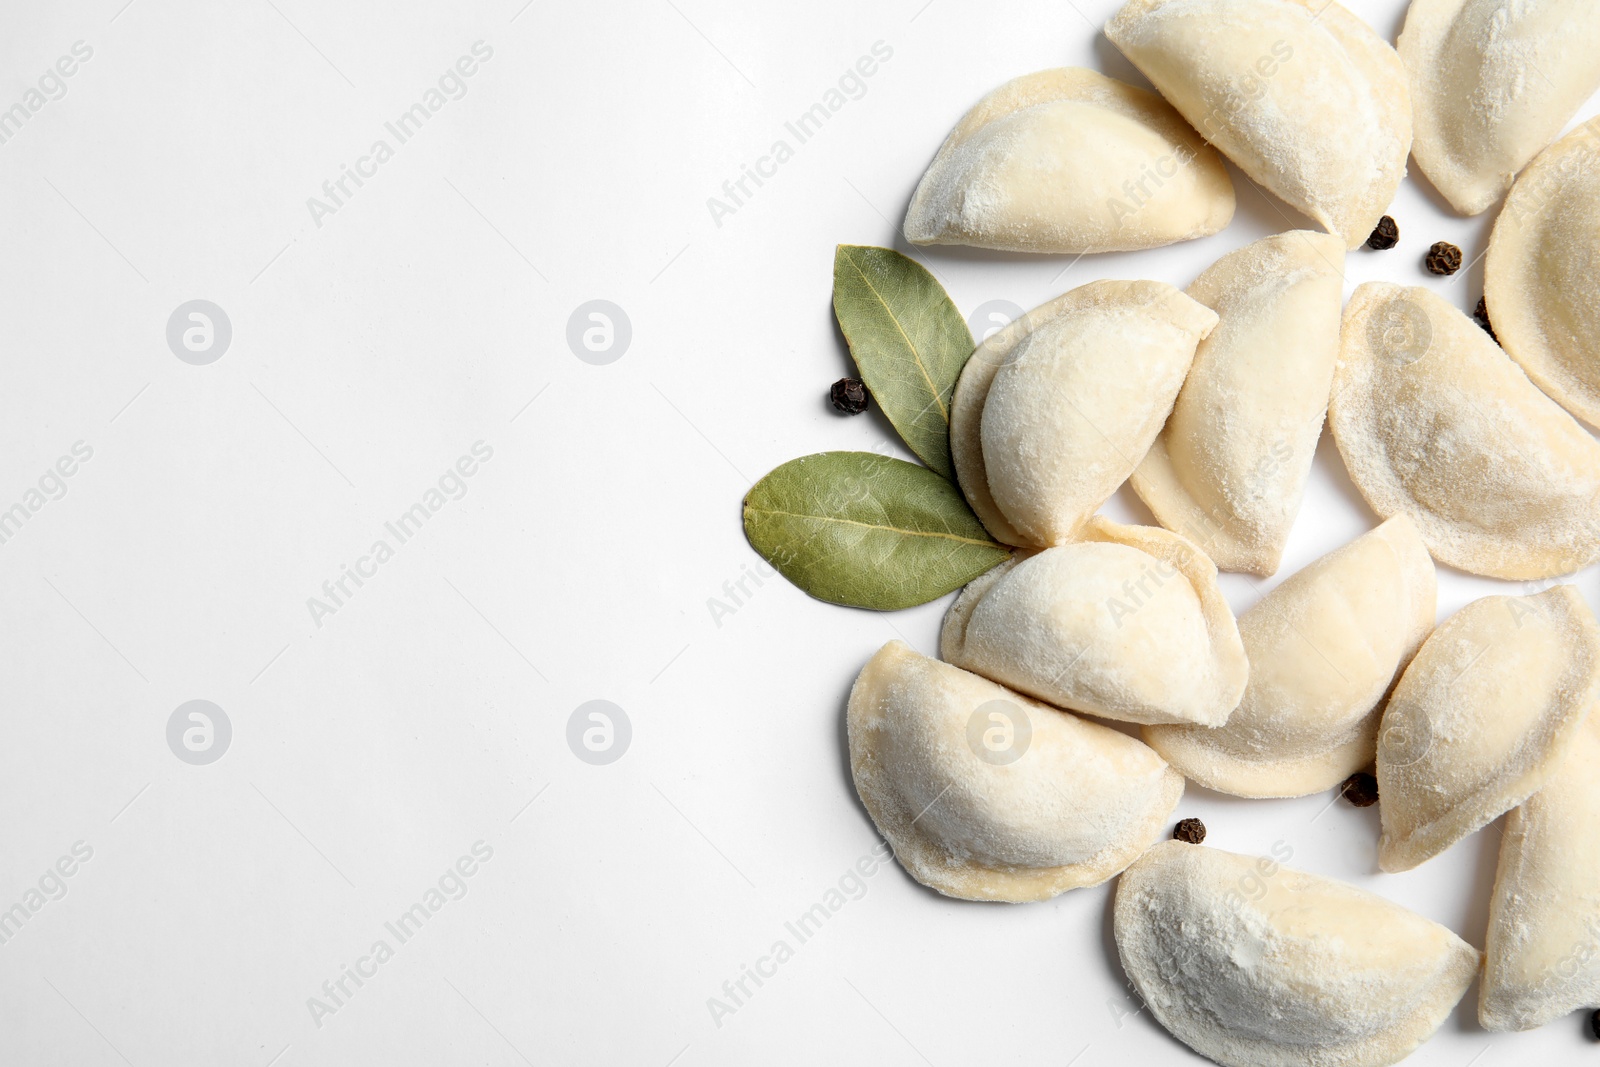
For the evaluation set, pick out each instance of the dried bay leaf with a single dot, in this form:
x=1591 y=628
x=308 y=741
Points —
x=867 y=531
x=908 y=341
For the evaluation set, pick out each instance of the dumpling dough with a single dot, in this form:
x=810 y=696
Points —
x=1127 y=624
x=1324 y=647
x=1252 y=964
x=1492 y=83
x=1541 y=279
x=1482 y=717
x=1434 y=420
x=1053 y=413
x=987 y=795
x=1544 y=917
x=1070 y=161
x=1301 y=94
x=1230 y=468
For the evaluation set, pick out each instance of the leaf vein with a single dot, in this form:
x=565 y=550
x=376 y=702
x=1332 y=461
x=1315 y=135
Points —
x=945 y=536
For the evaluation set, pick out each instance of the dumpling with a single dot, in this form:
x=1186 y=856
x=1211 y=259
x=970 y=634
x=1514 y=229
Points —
x=987 y=795
x=966 y=414
x=1053 y=413
x=1492 y=83
x=1540 y=279
x=1324 y=647
x=1127 y=623
x=1070 y=161
x=1302 y=95
x=1434 y=420
x=1544 y=916
x=1230 y=468
x=1252 y=964
x=1482 y=717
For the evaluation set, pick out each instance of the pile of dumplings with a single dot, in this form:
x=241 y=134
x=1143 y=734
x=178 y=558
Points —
x=986 y=769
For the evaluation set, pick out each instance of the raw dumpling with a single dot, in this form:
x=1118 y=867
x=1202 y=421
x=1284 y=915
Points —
x=1127 y=623
x=1324 y=647
x=1492 y=83
x=987 y=795
x=1252 y=964
x=1544 y=917
x=1070 y=161
x=1541 y=281
x=966 y=413
x=1434 y=420
x=1230 y=467
x=1301 y=94
x=1053 y=413
x=1482 y=717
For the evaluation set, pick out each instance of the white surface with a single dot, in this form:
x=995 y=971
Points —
x=372 y=752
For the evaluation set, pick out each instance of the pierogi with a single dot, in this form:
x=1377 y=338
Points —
x=987 y=795
x=1492 y=83
x=1482 y=717
x=1070 y=161
x=1540 y=278
x=1252 y=964
x=1434 y=420
x=1324 y=648
x=1053 y=413
x=1301 y=94
x=1126 y=623
x=1544 y=917
x=1230 y=467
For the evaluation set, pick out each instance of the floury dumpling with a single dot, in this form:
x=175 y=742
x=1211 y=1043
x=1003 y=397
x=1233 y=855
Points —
x=1324 y=648
x=1070 y=161
x=1230 y=467
x=1435 y=421
x=1126 y=623
x=1053 y=413
x=1302 y=95
x=1540 y=278
x=1492 y=83
x=1252 y=964
x=987 y=795
x=1482 y=718
x=1544 y=918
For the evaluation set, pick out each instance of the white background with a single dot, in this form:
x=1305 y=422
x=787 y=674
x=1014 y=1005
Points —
x=369 y=353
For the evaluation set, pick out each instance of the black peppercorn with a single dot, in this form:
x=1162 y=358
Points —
x=1360 y=789
x=1481 y=314
x=1192 y=831
x=1385 y=235
x=1443 y=258
x=1594 y=1025
x=849 y=395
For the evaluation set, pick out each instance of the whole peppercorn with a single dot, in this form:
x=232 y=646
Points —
x=1191 y=831
x=1443 y=258
x=1360 y=789
x=849 y=395
x=1481 y=314
x=1385 y=235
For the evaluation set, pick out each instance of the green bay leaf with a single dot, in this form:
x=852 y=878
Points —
x=867 y=531
x=908 y=340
